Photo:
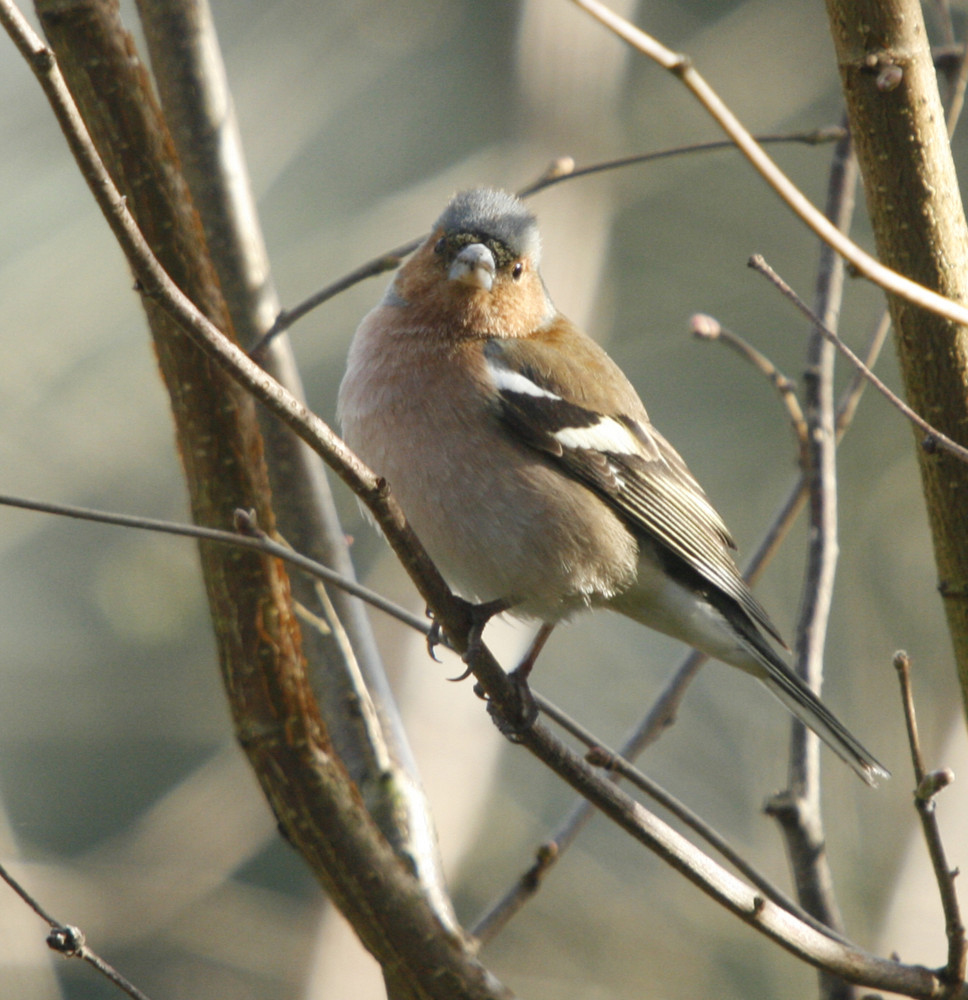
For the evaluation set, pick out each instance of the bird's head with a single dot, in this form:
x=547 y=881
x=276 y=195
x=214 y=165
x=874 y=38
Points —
x=477 y=273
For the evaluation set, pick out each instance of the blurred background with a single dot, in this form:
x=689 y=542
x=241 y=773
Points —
x=125 y=804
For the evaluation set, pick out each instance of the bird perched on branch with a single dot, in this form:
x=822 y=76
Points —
x=528 y=466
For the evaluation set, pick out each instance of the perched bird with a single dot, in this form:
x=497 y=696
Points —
x=526 y=462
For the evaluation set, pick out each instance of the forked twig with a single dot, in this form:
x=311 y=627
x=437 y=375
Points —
x=928 y=784
x=248 y=536
x=602 y=756
x=707 y=327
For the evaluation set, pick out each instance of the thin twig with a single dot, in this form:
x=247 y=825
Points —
x=821 y=472
x=956 y=94
x=68 y=941
x=927 y=787
x=601 y=755
x=564 y=169
x=559 y=170
x=707 y=327
x=866 y=265
x=851 y=396
x=947 y=25
x=751 y=906
x=248 y=537
x=934 y=436
x=378 y=265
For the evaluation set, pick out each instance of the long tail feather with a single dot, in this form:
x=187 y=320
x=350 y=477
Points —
x=812 y=712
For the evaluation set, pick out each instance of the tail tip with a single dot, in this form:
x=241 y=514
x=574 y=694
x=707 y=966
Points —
x=872 y=772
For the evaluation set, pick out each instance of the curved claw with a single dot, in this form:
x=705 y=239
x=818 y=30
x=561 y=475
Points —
x=480 y=615
x=434 y=639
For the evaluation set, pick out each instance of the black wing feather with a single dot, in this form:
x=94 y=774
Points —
x=651 y=487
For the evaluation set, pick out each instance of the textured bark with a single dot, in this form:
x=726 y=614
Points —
x=276 y=717
x=354 y=696
x=918 y=219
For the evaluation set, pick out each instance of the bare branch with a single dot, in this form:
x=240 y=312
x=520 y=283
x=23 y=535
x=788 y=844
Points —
x=343 y=660
x=798 y=808
x=765 y=916
x=69 y=941
x=561 y=169
x=564 y=169
x=388 y=261
x=599 y=755
x=934 y=437
x=249 y=537
x=851 y=396
x=708 y=328
x=789 y=193
x=928 y=785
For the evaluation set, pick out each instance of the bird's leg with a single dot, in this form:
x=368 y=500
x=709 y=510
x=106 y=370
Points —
x=527 y=709
x=478 y=615
x=522 y=671
x=481 y=614
x=517 y=717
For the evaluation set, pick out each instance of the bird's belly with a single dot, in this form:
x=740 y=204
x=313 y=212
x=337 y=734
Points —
x=524 y=533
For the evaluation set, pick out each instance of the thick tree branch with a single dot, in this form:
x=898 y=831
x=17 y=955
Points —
x=276 y=715
x=919 y=225
x=369 y=869
x=343 y=661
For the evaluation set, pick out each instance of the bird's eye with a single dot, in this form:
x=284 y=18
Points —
x=517 y=270
x=441 y=245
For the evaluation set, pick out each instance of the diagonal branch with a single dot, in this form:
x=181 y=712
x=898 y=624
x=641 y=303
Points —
x=934 y=438
x=344 y=664
x=69 y=941
x=369 y=863
x=865 y=265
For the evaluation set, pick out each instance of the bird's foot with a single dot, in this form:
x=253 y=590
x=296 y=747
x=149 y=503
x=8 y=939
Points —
x=517 y=713
x=478 y=616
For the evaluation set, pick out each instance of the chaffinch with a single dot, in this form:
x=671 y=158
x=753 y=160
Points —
x=527 y=464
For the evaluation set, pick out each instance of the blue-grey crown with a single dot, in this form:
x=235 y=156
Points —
x=490 y=215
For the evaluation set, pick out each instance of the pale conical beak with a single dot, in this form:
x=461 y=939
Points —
x=474 y=266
